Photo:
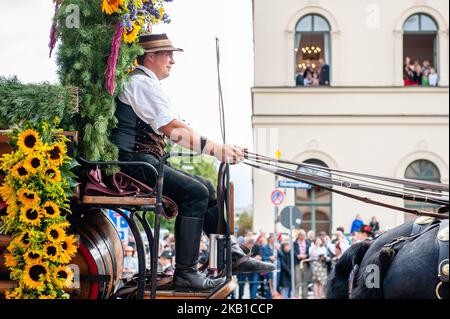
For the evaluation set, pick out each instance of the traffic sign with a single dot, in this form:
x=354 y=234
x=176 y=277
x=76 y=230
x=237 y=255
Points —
x=277 y=197
x=120 y=224
x=293 y=184
x=291 y=217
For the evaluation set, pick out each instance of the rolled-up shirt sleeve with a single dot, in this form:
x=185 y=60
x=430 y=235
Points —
x=148 y=100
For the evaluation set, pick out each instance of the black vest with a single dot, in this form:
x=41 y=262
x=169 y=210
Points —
x=132 y=135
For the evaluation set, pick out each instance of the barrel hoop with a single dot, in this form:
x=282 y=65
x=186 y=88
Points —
x=93 y=270
x=95 y=278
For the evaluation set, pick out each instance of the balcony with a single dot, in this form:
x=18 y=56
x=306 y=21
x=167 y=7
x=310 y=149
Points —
x=350 y=101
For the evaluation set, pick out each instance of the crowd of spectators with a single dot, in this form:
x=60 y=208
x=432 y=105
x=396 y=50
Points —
x=314 y=258
x=416 y=74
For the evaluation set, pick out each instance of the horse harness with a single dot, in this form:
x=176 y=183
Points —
x=421 y=226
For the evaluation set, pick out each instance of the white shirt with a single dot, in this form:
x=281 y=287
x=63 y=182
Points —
x=315 y=252
x=433 y=79
x=148 y=100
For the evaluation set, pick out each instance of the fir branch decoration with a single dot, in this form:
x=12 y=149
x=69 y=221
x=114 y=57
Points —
x=82 y=60
x=35 y=102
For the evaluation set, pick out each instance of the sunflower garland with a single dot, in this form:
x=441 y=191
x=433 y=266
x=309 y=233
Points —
x=35 y=187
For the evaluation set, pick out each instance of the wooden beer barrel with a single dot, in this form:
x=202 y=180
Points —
x=99 y=258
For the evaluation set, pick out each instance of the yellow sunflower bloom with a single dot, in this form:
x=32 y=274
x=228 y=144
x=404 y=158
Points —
x=56 y=153
x=20 y=172
x=55 y=233
x=111 y=6
x=33 y=256
x=33 y=163
x=10 y=260
x=69 y=248
x=23 y=240
x=35 y=275
x=6 y=192
x=28 y=197
x=28 y=141
x=63 y=276
x=131 y=36
x=30 y=216
x=53 y=174
x=50 y=209
x=52 y=251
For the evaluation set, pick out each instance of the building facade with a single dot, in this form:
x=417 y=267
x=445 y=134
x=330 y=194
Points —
x=362 y=114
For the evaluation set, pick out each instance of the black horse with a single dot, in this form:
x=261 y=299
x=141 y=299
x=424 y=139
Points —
x=407 y=270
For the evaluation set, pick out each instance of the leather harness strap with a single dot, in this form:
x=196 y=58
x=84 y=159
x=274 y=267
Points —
x=311 y=180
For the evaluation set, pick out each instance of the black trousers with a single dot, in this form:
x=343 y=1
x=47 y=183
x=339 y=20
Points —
x=195 y=196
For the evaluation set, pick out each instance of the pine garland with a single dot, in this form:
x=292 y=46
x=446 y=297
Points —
x=35 y=102
x=82 y=60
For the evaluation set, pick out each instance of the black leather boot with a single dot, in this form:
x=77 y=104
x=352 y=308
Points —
x=243 y=263
x=188 y=231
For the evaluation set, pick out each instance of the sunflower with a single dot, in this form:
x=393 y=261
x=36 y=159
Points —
x=55 y=233
x=33 y=163
x=32 y=256
x=53 y=174
x=52 y=251
x=35 y=275
x=131 y=36
x=30 y=215
x=50 y=209
x=20 y=172
x=28 y=141
x=23 y=240
x=10 y=260
x=111 y=6
x=56 y=153
x=69 y=248
x=63 y=276
x=6 y=192
x=28 y=197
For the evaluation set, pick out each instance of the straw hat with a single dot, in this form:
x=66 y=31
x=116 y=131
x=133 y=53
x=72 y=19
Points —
x=157 y=42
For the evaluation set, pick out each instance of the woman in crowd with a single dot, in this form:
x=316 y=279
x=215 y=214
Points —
x=319 y=258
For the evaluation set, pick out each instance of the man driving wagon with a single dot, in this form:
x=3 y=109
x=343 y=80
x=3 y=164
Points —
x=144 y=120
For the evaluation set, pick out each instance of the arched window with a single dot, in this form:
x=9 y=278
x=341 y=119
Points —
x=312 y=48
x=423 y=170
x=420 y=50
x=314 y=202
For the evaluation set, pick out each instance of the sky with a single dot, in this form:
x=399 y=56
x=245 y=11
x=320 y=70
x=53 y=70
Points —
x=192 y=85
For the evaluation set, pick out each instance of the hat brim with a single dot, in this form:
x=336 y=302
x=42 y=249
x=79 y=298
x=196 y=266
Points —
x=168 y=48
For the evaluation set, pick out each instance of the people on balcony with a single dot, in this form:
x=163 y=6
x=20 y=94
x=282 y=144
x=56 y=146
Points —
x=312 y=75
x=415 y=74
